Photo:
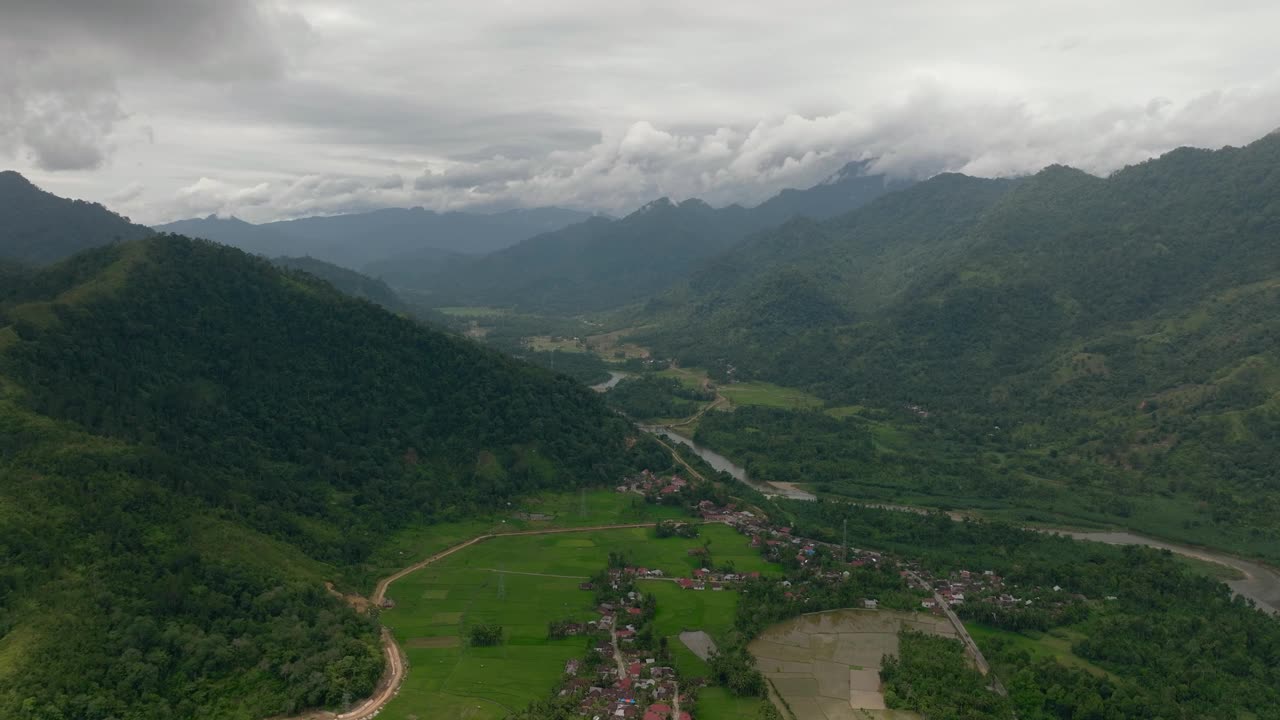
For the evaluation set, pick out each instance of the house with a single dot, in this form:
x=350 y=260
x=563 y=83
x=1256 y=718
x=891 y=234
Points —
x=586 y=586
x=929 y=603
x=635 y=611
x=571 y=667
x=685 y=583
x=871 y=604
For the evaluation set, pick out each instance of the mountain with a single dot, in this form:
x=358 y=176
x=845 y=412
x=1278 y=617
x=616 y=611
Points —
x=358 y=239
x=38 y=228
x=1117 y=333
x=408 y=269
x=192 y=440
x=347 y=282
x=256 y=239
x=852 y=187
x=604 y=264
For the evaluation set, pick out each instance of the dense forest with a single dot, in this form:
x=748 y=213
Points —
x=1113 y=337
x=193 y=440
x=348 y=282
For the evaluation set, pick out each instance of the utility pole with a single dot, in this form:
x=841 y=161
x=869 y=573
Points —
x=844 y=544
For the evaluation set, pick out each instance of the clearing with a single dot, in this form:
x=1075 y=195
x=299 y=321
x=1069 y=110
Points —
x=826 y=666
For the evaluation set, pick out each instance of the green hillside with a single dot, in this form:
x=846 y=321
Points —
x=38 y=228
x=1102 y=346
x=348 y=282
x=603 y=264
x=192 y=440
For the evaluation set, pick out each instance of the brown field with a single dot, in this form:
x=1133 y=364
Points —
x=827 y=665
x=446 y=641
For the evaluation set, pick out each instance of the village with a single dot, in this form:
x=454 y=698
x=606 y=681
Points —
x=627 y=675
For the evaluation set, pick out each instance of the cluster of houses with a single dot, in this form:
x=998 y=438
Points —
x=647 y=483
x=777 y=543
x=621 y=681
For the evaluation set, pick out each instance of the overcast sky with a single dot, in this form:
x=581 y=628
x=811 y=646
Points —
x=164 y=109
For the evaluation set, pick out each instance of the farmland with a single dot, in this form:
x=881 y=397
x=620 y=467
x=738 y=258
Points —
x=524 y=582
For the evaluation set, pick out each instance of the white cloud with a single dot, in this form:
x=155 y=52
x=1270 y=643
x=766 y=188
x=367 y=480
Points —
x=333 y=105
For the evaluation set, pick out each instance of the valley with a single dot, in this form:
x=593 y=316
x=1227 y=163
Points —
x=1032 y=417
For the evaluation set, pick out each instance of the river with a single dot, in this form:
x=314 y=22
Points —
x=614 y=378
x=1261 y=583
x=721 y=463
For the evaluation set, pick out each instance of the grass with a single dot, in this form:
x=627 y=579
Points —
x=717 y=703
x=769 y=395
x=1055 y=644
x=506 y=581
x=680 y=610
x=603 y=507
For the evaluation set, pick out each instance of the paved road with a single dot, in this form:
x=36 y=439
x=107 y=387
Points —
x=965 y=638
x=397 y=667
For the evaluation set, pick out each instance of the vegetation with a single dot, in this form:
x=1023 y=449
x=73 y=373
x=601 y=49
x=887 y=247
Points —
x=347 y=282
x=1172 y=643
x=197 y=440
x=1101 y=344
x=602 y=264
x=39 y=228
x=484 y=635
x=650 y=396
x=932 y=676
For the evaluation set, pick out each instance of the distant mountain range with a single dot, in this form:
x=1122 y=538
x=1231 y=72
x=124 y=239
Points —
x=358 y=239
x=1123 y=332
x=603 y=264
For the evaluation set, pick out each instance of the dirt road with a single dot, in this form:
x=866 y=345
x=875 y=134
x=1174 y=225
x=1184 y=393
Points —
x=397 y=667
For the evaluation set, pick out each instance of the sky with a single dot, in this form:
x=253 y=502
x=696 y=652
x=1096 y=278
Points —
x=166 y=109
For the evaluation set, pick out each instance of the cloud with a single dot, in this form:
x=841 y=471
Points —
x=61 y=62
x=338 y=104
x=928 y=130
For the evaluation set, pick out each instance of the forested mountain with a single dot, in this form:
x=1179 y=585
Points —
x=603 y=264
x=191 y=440
x=1121 y=332
x=358 y=239
x=348 y=282
x=37 y=228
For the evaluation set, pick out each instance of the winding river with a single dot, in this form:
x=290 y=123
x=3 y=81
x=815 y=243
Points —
x=1260 y=583
x=614 y=378
x=719 y=462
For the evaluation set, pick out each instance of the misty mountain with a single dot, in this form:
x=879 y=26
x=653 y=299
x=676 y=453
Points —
x=358 y=239
x=256 y=239
x=1128 y=325
x=38 y=228
x=603 y=264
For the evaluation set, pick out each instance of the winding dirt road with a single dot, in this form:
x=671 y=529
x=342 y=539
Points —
x=397 y=666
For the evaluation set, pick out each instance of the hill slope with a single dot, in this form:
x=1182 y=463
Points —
x=38 y=228
x=602 y=264
x=358 y=239
x=1116 y=332
x=191 y=440
x=348 y=282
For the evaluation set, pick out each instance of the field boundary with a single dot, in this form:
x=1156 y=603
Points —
x=397 y=663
